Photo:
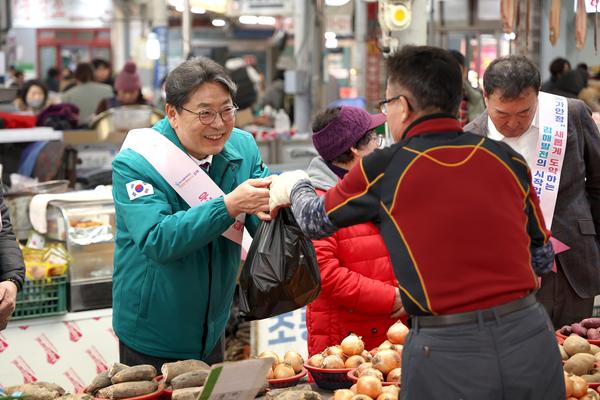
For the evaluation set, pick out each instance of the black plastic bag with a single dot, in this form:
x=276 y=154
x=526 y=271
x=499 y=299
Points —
x=281 y=273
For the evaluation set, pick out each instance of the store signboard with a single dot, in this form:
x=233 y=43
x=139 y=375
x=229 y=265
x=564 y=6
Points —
x=283 y=333
x=283 y=8
x=61 y=13
x=591 y=6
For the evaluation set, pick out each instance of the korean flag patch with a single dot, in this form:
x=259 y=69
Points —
x=137 y=189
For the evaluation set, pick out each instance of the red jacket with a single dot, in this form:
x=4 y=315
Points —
x=357 y=283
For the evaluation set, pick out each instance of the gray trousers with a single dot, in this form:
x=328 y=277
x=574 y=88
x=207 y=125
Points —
x=514 y=357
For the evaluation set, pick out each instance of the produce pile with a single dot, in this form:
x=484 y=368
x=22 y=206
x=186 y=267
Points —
x=184 y=378
x=582 y=367
x=286 y=367
x=588 y=328
x=43 y=391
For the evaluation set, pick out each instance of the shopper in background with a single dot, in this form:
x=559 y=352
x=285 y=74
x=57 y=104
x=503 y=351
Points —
x=128 y=87
x=175 y=273
x=67 y=79
x=87 y=93
x=359 y=292
x=12 y=268
x=52 y=80
x=511 y=87
x=465 y=235
x=471 y=105
x=247 y=79
x=558 y=67
x=33 y=97
x=102 y=71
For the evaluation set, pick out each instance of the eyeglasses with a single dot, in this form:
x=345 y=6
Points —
x=208 y=116
x=383 y=105
x=379 y=140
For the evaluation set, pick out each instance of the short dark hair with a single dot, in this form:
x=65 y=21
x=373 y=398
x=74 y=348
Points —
x=27 y=85
x=84 y=72
x=431 y=75
x=324 y=118
x=458 y=56
x=557 y=66
x=52 y=72
x=100 y=62
x=184 y=80
x=511 y=75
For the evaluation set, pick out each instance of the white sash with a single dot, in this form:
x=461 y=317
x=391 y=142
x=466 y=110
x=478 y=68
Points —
x=550 y=151
x=185 y=177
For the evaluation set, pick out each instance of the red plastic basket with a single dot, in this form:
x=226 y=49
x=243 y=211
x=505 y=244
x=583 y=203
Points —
x=287 y=382
x=330 y=379
x=561 y=338
x=150 y=396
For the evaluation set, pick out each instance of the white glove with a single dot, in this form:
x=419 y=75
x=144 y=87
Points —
x=281 y=187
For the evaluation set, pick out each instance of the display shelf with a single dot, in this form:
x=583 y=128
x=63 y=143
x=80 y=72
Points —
x=29 y=135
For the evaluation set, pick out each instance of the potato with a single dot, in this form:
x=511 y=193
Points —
x=135 y=373
x=190 y=379
x=100 y=381
x=563 y=354
x=594 y=349
x=127 y=389
x=171 y=370
x=575 y=344
x=190 y=393
x=580 y=364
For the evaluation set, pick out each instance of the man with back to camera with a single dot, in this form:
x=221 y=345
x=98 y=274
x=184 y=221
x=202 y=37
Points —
x=177 y=248
x=511 y=91
x=466 y=267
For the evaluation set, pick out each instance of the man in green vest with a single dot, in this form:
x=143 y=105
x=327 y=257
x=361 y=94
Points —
x=175 y=273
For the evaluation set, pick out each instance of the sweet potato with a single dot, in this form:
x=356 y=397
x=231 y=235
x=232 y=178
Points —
x=575 y=344
x=116 y=367
x=591 y=323
x=80 y=396
x=190 y=379
x=135 y=373
x=100 y=381
x=171 y=370
x=565 y=330
x=190 y=393
x=34 y=391
x=579 y=330
x=127 y=389
x=593 y=334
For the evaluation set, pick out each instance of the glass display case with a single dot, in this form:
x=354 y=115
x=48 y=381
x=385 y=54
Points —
x=87 y=228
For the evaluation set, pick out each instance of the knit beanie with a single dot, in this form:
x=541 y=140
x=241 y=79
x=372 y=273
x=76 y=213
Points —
x=128 y=79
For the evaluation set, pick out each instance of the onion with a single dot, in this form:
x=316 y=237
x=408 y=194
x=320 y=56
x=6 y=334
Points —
x=397 y=333
x=394 y=375
x=352 y=345
x=316 y=361
x=333 y=362
x=387 y=360
x=295 y=360
x=568 y=385
x=366 y=355
x=392 y=389
x=387 y=396
x=270 y=354
x=354 y=361
x=372 y=372
x=580 y=386
x=387 y=345
x=270 y=374
x=353 y=388
x=283 y=370
x=361 y=397
x=335 y=351
x=369 y=385
x=343 y=394
x=362 y=367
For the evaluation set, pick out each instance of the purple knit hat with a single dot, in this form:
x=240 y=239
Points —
x=128 y=79
x=343 y=132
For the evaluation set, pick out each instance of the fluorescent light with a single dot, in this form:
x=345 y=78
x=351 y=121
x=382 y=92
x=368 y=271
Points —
x=265 y=20
x=218 y=22
x=248 y=19
x=330 y=35
x=198 y=10
x=336 y=3
x=179 y=7
x=510 y=36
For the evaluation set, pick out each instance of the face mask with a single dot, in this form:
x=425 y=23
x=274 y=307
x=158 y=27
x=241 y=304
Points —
x=35 y=103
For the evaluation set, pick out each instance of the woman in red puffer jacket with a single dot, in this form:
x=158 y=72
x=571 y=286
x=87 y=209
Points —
x=359 y=292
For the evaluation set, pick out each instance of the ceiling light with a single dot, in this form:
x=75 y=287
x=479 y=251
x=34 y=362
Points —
x=248 y=19
x=198 y=10
x=265 y=20
x=218 y=22
x=330 y=35
x=336 y=3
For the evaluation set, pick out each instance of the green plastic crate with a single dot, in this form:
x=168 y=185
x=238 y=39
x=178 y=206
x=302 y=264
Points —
x=43 y=297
